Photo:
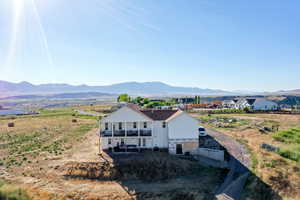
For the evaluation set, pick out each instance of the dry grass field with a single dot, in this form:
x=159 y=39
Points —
x=32 y=142
x=280 y=168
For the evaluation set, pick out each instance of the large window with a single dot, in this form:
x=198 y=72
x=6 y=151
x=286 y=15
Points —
x=134 y=124
x=120 y=125
x=145 y=124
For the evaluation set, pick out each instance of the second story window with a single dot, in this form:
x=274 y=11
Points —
x=134 y=124
x=106 y=126
x=145 y=124
x=120 y=125
x=164 y=124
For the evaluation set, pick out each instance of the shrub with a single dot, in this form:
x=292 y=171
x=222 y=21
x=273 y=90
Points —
x=290 y=153
x=12 y=193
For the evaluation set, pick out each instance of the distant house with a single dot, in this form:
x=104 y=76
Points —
x=228 y=104
x=132 y=128
x=256 y=104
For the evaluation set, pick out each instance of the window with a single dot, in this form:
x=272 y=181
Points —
x=106 y=126
x=144 y=142
x=139 y=142
x=145 y=124
x=122 y=141
x=109 y=141
x=164 y=124
x=134 y=124
x=120 y=125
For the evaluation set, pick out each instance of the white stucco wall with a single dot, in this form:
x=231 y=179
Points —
x=183 y=126
x=160 y=136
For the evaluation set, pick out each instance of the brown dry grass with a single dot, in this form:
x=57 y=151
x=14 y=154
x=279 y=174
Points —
x=282 y=174
x=36 y=139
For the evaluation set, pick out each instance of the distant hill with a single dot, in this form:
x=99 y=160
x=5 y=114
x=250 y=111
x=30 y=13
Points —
x=133 y=88
x=80 y=95
x=296 y=91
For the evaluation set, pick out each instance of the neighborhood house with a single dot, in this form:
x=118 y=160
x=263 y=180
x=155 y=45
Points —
x=251 y=103
x=132 y=128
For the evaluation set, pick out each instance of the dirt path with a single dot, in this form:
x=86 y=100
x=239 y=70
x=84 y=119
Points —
x=87 y=150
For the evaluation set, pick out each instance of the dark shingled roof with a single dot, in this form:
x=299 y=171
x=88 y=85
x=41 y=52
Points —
x=251 y=101
x=159 y=114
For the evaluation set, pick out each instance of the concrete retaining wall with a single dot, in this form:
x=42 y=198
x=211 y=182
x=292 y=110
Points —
x=209 y=153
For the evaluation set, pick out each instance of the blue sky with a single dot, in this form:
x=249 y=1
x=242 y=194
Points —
x=222 y=44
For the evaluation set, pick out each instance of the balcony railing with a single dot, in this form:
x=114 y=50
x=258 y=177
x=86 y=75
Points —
x=130 y=133
x=119 y=133
x=106 y=133
x=145 y=132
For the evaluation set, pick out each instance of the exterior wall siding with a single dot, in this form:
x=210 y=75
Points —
x=183 y=126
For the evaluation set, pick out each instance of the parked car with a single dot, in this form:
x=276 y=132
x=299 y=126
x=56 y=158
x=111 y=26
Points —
x=202 y=131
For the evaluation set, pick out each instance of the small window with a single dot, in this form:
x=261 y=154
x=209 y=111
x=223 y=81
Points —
x=134 y=124
x=120 y=125
x=145 y=124
x=106 y=126
x=164 y=124
x=109 y=141
x=144 y=142
x=122 y=141
x=139 y=142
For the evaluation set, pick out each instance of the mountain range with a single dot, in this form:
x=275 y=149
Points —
x=132 y=88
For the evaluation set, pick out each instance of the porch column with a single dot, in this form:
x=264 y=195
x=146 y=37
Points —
x=152 y=133
x=100 y=137
x=112 y=129
x=125 y=128
x=139 y=129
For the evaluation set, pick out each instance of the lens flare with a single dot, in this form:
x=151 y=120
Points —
x=18 y=6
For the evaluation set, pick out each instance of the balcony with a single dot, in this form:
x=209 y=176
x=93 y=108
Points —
x=130 y=133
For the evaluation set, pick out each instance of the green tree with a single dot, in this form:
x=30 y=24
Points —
x=197 y=99
x=123 y=98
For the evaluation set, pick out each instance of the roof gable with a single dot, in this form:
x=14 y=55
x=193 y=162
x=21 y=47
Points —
x=126 y=114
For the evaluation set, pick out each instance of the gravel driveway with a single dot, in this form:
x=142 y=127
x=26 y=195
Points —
x=234 y=148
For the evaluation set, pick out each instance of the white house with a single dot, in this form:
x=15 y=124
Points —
x=256 y=104
x=229 y=103
x=132 y=128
